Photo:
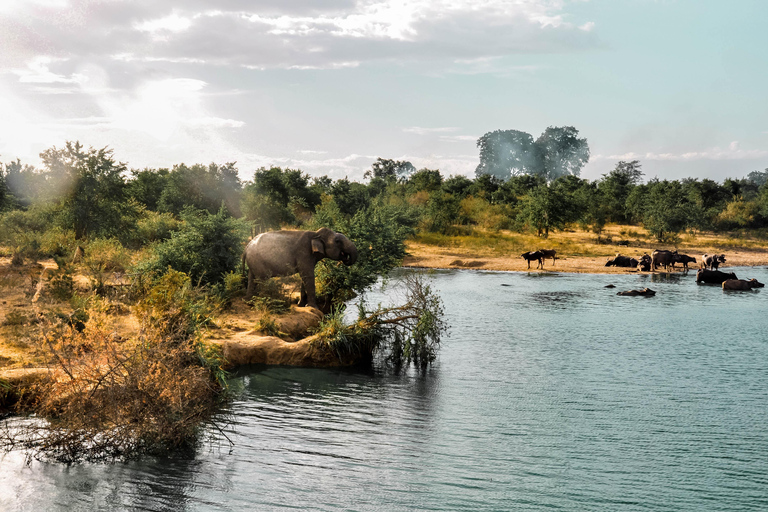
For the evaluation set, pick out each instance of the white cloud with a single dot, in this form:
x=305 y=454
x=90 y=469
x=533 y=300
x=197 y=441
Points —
x=170 y=23
x=38 y=72
x=424 y=131
x=732 y=152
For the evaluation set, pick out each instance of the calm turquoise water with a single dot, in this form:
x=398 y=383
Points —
x=550 y=393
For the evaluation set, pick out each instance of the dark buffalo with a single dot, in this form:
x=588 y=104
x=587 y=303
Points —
x=645 y=292
x=621 y=261
x=645 y=262
x=741 y=284
x=663 y=258
x=549 y=253
x=533 y=255
x=684 y=259
x=712 y=261
x=713 y=276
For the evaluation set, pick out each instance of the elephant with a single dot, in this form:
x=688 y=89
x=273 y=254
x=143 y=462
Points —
x=533 y=255
x=645 y=292
x=704 y=275
x=741 y=284
x=621 y=261
x=283 y=253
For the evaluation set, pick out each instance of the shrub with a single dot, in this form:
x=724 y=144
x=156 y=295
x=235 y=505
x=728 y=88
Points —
x=206 y=247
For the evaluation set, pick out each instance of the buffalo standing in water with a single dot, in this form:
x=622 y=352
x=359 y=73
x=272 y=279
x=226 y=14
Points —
x=663 y=258
x=741 y=284
x=713 y=276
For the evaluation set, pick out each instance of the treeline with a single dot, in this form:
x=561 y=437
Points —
x=88 y=194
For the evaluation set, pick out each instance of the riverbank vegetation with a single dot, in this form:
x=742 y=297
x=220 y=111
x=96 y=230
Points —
x=112 y=279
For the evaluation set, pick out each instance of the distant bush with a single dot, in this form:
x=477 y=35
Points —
x=154 y=227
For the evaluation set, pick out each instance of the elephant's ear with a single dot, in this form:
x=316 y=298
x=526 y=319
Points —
x=318 y=247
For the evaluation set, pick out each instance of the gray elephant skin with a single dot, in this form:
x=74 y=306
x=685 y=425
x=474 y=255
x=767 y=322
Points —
x=284 y=253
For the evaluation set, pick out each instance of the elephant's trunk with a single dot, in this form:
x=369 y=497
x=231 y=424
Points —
x=349 y=255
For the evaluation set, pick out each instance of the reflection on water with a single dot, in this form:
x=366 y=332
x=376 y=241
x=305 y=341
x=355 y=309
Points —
x=550 y=393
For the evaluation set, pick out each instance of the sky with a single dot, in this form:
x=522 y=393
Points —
x=328 y=86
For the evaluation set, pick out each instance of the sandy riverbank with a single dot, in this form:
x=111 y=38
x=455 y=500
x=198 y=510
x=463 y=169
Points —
x=577 y=251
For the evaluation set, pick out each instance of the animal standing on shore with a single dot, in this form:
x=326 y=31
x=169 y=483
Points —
x=534 y=255
x=684 y=259
x=548 y=253
x=663 y=258
x=283 y=253
x=712 y=261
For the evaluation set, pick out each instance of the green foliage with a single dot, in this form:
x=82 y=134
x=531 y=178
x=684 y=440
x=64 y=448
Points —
x=662 y=206
x=102 y=257
x=442 y=212
x=557 y=152
x=615 y=188
x=155 y=227
x=402 y=335
x=94 y=201
x=562 y=152
x=379 y=233
x=201 y=187
x=546 y=208
x=276 y=196
x=62 y=285
x=172 y=306
x=206 y=247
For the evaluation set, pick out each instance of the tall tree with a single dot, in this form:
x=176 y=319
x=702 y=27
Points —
x=507 y=153
x=562 y=152
x=616 y=186
x=94 y=199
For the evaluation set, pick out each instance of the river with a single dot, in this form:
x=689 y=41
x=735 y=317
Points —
x=549 y=393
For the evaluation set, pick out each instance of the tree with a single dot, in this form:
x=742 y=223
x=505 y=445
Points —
x=203 y=187
x=387 y=170
x=507 y=153
x=94 y=198
x=616 y=186
x=562 y=152
x=545 y=208
x=146 y=186
x=662 y=207
x=425 y=179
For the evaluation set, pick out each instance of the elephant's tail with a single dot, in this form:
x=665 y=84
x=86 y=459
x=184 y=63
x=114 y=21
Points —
x=242 y=265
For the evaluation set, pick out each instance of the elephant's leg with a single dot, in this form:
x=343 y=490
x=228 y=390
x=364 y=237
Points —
x=250 y=289
x=303 y=295
x=308 y=287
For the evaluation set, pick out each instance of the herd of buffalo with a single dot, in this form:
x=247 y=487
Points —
x=708 y=272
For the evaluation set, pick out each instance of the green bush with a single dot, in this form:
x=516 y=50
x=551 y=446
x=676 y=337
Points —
x=206 y=247
x=379 y=233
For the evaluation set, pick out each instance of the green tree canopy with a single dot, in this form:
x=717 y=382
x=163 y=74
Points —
x=93 y=200
x=506 y=153
x=562 y=152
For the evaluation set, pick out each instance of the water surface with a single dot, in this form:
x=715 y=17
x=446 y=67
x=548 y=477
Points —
x=550 y=393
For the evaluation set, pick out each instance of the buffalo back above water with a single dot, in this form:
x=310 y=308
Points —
x=713 y=276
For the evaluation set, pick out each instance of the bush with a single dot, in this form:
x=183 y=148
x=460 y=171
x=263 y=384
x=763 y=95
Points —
x=206 y=247
x=378 y=232
x=402 y=335
x=102 y=256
